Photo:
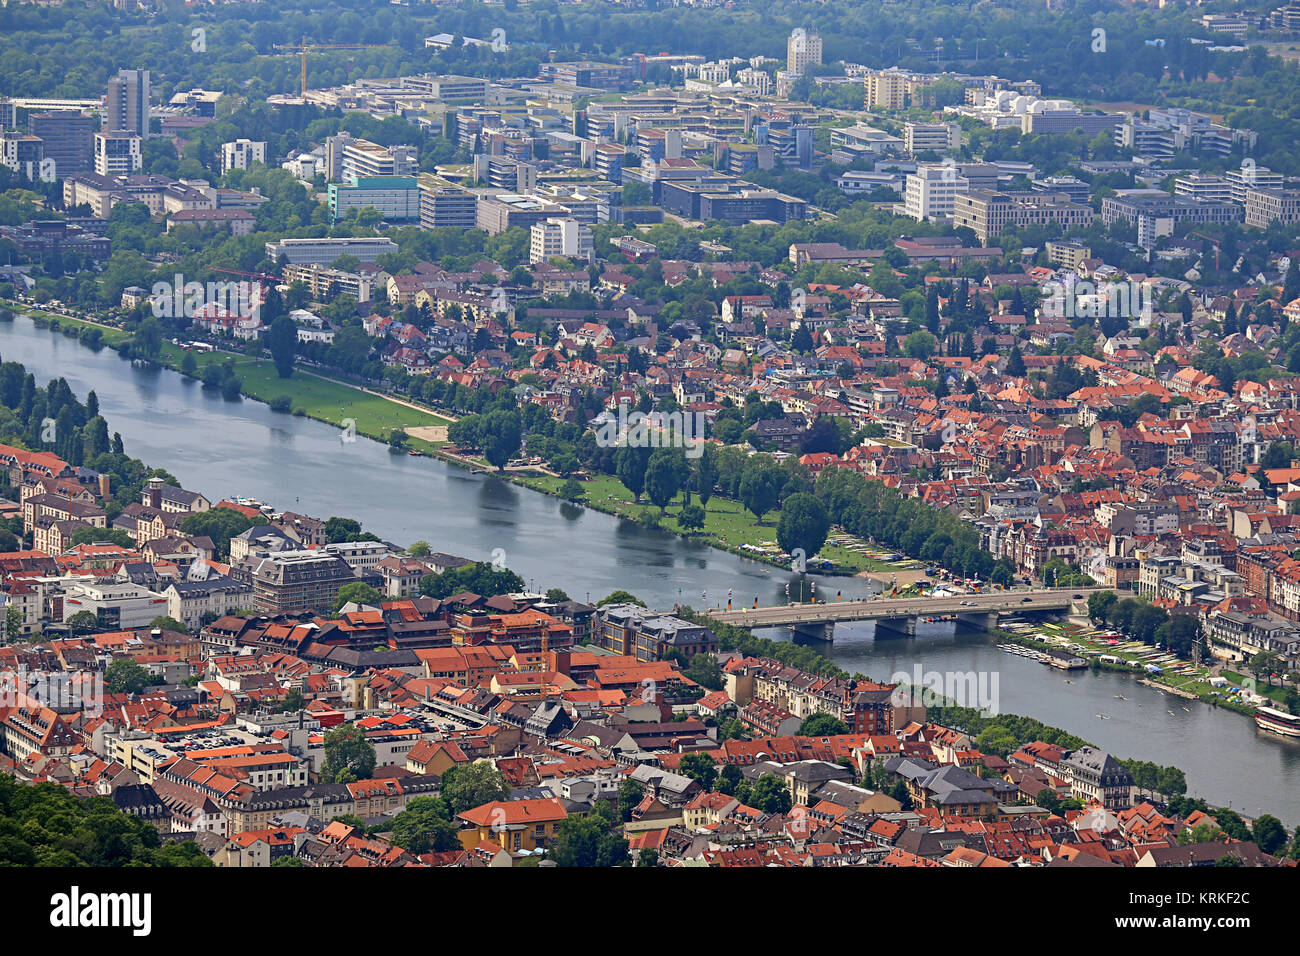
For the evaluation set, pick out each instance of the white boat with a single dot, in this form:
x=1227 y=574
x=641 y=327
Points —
x=1277 y=721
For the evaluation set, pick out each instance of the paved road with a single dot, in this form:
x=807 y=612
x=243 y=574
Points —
x=1003 y=601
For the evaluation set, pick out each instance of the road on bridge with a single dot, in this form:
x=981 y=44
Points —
x=885 y=608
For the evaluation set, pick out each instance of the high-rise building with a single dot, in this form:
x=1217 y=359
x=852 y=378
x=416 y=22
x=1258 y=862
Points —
x=445 y=204
x=117 y=154
x=126 y=108
x=397 y=198
x=938 y=137
x=69 y=140
x=803 y=50
x=241 y=154
x=560 y=237
x=348 y=159
x=22 y=154
x=931 y=190
x=988 y=213
x=886 y=90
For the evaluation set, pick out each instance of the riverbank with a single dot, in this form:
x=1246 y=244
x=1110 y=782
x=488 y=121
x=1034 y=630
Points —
x=1129 y=657
x=309 y=393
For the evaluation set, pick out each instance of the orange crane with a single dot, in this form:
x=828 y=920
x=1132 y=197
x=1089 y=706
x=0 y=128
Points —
x=304 y=47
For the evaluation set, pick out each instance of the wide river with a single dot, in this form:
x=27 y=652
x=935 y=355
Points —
x=241 y=447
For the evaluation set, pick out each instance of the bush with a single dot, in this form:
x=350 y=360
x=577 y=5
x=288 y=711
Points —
x=282 y=404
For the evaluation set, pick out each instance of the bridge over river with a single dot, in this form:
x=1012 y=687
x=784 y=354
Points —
x=899 y=615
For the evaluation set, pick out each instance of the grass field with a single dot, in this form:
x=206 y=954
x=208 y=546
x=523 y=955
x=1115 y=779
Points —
x=316 y=397
x=726 y=523
x=110 y=337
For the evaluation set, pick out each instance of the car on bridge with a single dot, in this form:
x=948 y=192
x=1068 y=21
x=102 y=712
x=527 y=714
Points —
x=1026 y=600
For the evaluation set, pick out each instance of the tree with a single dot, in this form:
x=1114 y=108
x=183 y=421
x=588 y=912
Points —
x=423 y=826
x=706 y=474
x=1178 y=634
x=467 y=786
x=419 y=549
x=103 y=536
x=705 y=671
x=480 y=578
x=358 y=592
x=803 y=524
x=729 y=779
x=620 y=597
x=164 y=623
x=920 y=345
x=1269 y=834
x=666 y=474
x=1015 y=363
x=282 y=340
x=293 y=702
x=587 y=841
x=125 y=676
x=822 y=725
x=347 y=754
x=770 y=795
x=760 y=486
x=691 y=518
x=83 y=622
x=556 y=595
x=630 y=793
x=630 y=464
x=1100 y=604
x=147 y=341
x=502 y=437
x=802 y=341
x=219 y=524
x=700 y=767
x=13 y=623
x=342 y=529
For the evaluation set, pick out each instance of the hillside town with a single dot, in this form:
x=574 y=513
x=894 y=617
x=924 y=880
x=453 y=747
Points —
x=940 y=327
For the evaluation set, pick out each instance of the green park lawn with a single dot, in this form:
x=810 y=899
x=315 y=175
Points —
x=726 y=522
x=319 y=398
x=110 y=336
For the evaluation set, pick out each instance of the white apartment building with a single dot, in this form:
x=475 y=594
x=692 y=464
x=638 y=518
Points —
x=803 y=49
x=241 y=154
x=560 y=237
x=348 y=159
x=359 y=555
x=117 y=154
x=1199 y=186
x=931 y=191
x=940 y=137
x=116 y=605
x=1249 y=177
x=326 y=251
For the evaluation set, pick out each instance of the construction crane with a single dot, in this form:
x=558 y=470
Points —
x=304 y=48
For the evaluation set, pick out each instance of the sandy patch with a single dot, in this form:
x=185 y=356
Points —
x=432 y=433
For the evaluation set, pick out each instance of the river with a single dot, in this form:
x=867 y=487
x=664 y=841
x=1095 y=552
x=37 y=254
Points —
x=241 y=447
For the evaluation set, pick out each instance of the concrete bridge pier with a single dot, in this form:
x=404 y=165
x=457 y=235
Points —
x=895 y=627
x=821 y=631
x=980 y=621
